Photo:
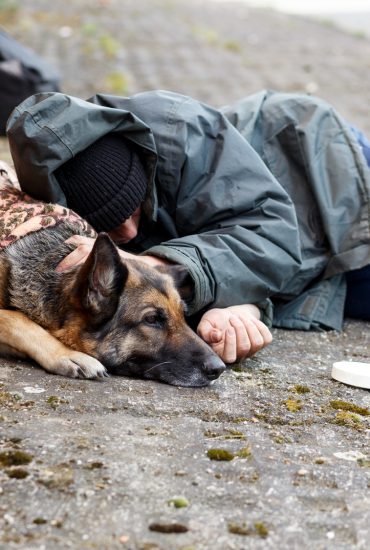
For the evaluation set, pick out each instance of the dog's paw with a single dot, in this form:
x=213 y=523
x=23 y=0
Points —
x=79 y=365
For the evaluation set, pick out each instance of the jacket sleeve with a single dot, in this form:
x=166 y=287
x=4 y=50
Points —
x=237 y=227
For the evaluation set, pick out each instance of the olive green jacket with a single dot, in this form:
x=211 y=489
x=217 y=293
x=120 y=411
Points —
x=266 y=199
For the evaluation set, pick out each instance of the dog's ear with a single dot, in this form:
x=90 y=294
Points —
x=102 y=278
x=181 y=278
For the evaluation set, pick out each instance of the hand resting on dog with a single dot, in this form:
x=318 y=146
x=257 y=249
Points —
x=234 y=332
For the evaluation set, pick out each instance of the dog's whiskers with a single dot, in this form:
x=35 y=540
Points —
x=158 y=365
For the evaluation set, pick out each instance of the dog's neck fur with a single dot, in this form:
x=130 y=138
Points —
x=32 y=265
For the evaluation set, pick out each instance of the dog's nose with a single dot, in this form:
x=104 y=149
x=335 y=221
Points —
x=213 y=366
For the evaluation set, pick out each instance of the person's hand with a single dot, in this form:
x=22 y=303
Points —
x=84 y=246
x=78 y=256
x=235 y=332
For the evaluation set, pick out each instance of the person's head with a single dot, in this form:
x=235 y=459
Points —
x=105 y=183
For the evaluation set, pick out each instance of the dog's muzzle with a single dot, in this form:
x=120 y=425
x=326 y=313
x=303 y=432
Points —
x=213 y=367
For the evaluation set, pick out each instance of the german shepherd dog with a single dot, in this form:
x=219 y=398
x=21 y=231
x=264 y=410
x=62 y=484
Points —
x=105 y=316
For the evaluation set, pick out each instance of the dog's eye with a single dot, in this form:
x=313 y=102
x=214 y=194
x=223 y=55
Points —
x=155 y=319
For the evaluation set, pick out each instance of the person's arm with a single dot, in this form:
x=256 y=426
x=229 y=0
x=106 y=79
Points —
x=238 y=232
x=84 y=245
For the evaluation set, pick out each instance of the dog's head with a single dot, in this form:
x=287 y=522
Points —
x=134 y=323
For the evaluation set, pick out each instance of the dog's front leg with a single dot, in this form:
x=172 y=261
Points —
x=21 y=337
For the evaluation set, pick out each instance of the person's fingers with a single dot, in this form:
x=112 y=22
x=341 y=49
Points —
x=243 y=342
x=264 y=331
x=76 y=257
x=255 y=338
x=229 y=351
x=236 y=336
x=83 y=248
x=80 y=239
x=257 y=333
x=208 y=333
x=215 y=336
x=204 y=329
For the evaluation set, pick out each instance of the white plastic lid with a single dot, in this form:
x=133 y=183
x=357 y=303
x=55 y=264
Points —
x=354 y=373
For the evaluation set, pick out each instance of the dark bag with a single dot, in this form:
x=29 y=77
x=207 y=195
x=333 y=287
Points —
x=22 y=73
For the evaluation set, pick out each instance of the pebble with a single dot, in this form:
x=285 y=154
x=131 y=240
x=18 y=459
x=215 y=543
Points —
x=65 y=32
x=350 y=455
x=8 y=519
x=33 y=389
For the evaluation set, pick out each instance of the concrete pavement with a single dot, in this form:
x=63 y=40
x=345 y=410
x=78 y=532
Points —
x=130 y=464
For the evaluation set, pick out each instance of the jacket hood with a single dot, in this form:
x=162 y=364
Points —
x=48 y=129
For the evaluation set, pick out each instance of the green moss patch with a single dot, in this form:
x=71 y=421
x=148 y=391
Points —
x=40 y=521
x=261 y=529
x=225 y=455
x=351 y=407
x=349 y=419
x=244 y=453
x=239 y=529
x=54 y=401
x=179 y=502
x=17 y=473
x=293 y=405
x=168 y=527
x=94 y=465
x=298 y=388
x=257 y=529
x=6 y=398
x=364 y=462
x=14 y=458
x=220 y=454
x=221 y=416
x=228 y=433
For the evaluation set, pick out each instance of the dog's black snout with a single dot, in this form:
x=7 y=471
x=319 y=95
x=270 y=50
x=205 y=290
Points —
x=213 y=367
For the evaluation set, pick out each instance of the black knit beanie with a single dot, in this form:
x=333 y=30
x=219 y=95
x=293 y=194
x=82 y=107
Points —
x=105 y=183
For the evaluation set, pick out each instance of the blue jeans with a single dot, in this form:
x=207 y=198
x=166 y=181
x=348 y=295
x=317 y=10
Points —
x=358 y=281
x=364 y=142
